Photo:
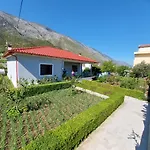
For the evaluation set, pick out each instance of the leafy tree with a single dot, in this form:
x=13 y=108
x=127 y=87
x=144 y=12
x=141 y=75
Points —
x=108 y=66
x=121 y=70
x=141 y=70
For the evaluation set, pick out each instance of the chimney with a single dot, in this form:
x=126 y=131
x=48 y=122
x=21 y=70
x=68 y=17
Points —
x=9 y=47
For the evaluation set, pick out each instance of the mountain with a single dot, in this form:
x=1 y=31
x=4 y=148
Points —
x=33 y=34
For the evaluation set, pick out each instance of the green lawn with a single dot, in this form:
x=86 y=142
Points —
x=64 y=105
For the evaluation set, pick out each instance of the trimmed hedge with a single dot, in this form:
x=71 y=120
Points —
x=109 y=90
x=70 y=134
x=43 y=88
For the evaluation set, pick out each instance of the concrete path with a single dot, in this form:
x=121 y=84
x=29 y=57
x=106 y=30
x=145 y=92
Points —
x=125 y=129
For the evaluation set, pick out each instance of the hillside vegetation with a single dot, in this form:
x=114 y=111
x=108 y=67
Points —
x=33 y=34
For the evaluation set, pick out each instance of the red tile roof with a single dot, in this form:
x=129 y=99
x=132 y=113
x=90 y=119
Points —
x=144 y=45
x=49 y=52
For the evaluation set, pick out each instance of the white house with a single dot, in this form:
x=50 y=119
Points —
x=37 y=62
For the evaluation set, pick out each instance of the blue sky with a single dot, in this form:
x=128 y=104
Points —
x=114 y=27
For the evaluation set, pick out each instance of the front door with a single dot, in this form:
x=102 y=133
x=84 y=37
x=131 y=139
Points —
x=75 y=68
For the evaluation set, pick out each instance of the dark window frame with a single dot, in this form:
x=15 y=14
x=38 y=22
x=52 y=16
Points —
x=47 y=73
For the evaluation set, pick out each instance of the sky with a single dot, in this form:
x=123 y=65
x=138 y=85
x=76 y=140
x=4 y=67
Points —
x=114 y=27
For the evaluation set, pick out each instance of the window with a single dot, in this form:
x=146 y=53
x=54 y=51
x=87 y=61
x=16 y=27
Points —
x=46 y=69
x=74 y=68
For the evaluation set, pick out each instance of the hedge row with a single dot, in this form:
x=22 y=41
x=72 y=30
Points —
x=109 y=90
x=43 y=88
x=70 y=134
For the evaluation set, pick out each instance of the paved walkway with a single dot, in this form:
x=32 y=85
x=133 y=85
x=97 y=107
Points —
x=125 y=129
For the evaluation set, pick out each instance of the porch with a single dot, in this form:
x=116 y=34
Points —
x=72 y=66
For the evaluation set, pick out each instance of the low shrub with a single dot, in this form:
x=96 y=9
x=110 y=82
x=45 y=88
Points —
x=107 y=89
x=43 y=88
x=5 y=83
x=47 y=80
x=129 y=83
x=69 y=135
x=13 y=113
x=124 y=82
x=111 y=80
x=23 y=98
x=102 y=79
x=32 y=103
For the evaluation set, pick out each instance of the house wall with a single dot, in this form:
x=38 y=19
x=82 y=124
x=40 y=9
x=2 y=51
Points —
x=142 y=57
x=68 y=67
x=29 y=66
x=11 y=70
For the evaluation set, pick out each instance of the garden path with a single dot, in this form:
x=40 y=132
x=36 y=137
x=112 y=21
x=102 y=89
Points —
x=126 y=129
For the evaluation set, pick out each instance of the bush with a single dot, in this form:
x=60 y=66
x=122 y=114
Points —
x=110 y=79
x=47 y=80
x=43 y=88
x=69 y=135
x=32 y=103
x=141 y=70
x=121 y=70
x=108 y=66
x=102 y=79
x=109 y=90
x=129 y=83
x=124 y=82
x=5 y=83
x=21 y=100
x=13 y=113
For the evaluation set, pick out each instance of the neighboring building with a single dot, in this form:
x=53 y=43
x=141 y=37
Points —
x=38 y=62
x=86 y=66
x=143 y=54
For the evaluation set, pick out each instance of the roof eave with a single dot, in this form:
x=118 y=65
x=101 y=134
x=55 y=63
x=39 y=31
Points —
x=9 y=53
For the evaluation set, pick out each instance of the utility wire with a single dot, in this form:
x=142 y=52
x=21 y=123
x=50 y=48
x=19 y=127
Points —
x=20 y=12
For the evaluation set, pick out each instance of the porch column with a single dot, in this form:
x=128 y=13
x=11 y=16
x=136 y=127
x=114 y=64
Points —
x=62 y=67
x=80 y=69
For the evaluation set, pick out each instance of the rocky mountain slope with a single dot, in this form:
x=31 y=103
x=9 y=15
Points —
x=33 y=34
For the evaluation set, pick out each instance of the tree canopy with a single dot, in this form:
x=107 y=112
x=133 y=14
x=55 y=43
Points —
x=108 y=66
x=141 y=70
x=121 y=70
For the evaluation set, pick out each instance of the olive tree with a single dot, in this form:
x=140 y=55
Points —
x=141 y=70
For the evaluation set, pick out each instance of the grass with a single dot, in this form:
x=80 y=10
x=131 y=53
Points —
x=64 y=105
